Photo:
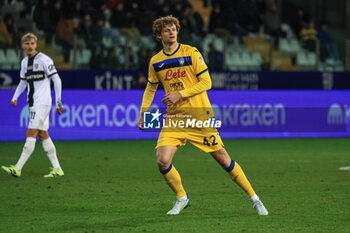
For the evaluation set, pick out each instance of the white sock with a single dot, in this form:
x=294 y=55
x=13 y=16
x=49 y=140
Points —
x=28 y=149
x=184 y=198
x=254 y=198
x=50 y=151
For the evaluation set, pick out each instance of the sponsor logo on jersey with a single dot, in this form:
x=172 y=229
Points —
x=51 y=67
x=170 y=74
x=177 y=86
x=35 y=76
x=201 y=59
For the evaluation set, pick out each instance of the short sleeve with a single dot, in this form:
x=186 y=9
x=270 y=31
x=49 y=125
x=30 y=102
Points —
x=198 y=63
x=49 y=67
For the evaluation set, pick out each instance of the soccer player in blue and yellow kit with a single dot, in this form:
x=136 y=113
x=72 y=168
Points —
x=185 y=77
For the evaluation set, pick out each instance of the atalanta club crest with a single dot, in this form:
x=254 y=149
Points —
x=182 y=61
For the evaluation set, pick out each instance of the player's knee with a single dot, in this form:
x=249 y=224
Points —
x=32 y=133
x=43 y=135
x=164 y=157
x=162 y=164
x=222 y=157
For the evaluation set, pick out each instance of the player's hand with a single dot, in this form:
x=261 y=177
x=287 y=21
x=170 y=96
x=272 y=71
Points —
x=60 y=110
x=59 y=107
x=14 y=103
x=140 y=122
x=171 y=98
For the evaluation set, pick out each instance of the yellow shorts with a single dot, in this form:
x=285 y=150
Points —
x=203 y=140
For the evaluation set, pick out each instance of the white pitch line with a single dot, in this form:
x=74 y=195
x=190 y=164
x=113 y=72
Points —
x=345 y=168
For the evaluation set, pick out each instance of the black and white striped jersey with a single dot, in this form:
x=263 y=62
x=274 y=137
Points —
x=36 y=71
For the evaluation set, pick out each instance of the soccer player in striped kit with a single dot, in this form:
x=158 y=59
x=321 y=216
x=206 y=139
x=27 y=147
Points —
x=37 y=71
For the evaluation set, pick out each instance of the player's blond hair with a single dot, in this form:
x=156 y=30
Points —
x=161 y=22
x=29 y=36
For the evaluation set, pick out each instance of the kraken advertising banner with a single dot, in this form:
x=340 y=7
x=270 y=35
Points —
x=111 y=115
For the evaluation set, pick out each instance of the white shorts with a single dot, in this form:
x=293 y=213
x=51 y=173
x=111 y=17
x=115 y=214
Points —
x=39 y=117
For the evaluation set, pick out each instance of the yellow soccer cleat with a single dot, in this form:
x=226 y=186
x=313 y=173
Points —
x=12 y=170
x=54 y=173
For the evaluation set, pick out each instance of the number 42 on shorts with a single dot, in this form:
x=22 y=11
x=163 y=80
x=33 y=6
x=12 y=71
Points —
x=211 y=139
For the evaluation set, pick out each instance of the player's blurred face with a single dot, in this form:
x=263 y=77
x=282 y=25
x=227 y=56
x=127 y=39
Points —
x=29 y=47
x=169 y=34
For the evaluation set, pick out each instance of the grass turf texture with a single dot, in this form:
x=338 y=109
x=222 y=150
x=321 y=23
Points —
x=115 y=186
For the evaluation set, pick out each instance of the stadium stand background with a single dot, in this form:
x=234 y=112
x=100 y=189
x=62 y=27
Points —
x=244 y=35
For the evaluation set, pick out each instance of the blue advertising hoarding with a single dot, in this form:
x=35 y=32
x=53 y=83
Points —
x=113 y=115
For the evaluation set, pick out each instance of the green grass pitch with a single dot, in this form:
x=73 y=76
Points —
x=115 y=186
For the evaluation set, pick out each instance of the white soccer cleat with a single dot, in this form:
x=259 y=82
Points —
x=260 y=208
x=178 y=206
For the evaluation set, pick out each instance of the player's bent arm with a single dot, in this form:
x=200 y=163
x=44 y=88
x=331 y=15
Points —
x=204 y=84
x=58 y=89
x=19 y=90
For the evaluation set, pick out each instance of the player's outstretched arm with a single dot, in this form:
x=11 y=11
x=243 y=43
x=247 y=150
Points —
x=58 y=92
x=19 y=90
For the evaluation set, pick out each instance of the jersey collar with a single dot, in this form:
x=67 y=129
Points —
x=34 y=55
x=172 y=52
